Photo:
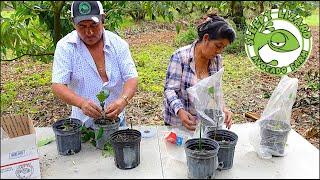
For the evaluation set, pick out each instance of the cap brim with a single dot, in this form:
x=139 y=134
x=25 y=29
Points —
x=95 y=18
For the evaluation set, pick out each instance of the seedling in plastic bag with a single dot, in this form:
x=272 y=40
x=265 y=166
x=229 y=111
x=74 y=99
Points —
x=211 y=91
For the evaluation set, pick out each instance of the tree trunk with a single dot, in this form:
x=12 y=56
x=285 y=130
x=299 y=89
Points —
x=261 y=7
x=57 y=8
x=237 y=14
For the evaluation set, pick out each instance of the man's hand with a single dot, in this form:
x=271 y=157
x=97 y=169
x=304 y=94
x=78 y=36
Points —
x=90 y=109
x=228 y=120
x=187 y=119
x=115 y=108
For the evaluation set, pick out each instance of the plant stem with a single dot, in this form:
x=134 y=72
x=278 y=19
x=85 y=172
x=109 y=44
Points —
x=200 y=137
x=102 y=106
x=215 y=132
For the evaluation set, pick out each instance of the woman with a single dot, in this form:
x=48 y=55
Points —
x=192 y=63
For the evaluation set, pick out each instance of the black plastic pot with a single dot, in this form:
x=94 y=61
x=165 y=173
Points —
x=202 y=164
x=68 y=140
x=126 y=146
x=108 y=127
x=274 y=136
x=227 y=141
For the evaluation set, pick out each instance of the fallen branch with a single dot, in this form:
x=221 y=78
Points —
x=44 y=54
x=252 y=115
x=311 y=132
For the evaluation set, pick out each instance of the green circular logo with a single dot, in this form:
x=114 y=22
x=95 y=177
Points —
x=278 y=42
x=84 y=8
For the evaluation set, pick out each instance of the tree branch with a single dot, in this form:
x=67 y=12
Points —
x=27 y=54
x=34 y=9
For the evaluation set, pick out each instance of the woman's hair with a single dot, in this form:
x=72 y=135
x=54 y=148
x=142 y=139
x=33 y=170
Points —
x=217 y=28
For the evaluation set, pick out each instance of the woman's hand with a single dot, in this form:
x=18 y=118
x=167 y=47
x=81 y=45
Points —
x=227 y=120
x=115 y=108
x=188 y=120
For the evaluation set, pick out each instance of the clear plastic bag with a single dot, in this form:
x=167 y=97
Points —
x=207 y=98
x=269 y=134
x=174 y=149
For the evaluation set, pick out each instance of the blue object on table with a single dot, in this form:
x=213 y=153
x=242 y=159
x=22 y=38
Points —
x=179 y=140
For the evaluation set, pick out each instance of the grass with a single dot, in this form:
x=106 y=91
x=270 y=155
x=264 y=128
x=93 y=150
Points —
x=127 y=22
x=28 y=79
x=313 y=20
x=6 y=13
x=151 y=62
x=186 y=37
x=9 y=94
x=237 y=76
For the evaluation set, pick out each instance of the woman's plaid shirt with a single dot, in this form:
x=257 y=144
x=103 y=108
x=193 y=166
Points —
x=180 y=76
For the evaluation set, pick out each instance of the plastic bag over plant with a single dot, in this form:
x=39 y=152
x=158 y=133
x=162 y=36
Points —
x=207 y=98
x=269 y=134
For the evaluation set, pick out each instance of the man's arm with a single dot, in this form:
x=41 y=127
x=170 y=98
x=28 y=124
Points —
x=70 y=97
x=67 y=95
x=129 y=89
x=129 y=76
x=116 y=107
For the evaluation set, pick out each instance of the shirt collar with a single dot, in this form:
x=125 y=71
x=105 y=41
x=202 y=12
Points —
x=191 y=52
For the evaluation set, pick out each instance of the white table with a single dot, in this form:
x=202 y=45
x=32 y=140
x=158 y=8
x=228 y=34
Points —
x=156 y=160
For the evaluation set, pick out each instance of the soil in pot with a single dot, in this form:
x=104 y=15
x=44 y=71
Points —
x=227 y=141
x=68 y=136
x=202 y=163
x=103 y=128
x=126 y=146
x=274 y=136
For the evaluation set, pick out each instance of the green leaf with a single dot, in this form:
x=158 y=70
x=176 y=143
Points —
x=107 y=150
x=100 y=133
x=45 y=141
x=85 y=138
x=211 y=90
x=83 y=129
x=103 y=95
x=266 y=95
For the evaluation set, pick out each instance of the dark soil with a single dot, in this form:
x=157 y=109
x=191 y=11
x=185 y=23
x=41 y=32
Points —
x=106 y=121
x=125 y=137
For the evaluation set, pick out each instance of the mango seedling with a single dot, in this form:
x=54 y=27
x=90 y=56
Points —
x=102 y=96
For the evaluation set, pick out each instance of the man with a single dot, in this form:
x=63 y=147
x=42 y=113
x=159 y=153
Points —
x=91 y=58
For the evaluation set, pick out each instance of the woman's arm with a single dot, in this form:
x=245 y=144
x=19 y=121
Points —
x=228 y=119
x=172 y=87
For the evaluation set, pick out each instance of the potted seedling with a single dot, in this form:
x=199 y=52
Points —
x=202 y=160
x=126 y=146
x=104 y=126
x=227 y=140
x=274 y=134
x=68 y=137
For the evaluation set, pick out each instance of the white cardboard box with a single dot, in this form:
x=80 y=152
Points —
x=19 y=153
